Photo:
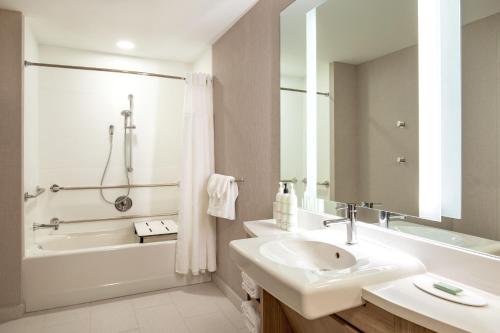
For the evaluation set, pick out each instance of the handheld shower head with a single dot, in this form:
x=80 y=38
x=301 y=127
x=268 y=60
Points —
x=111 y=130
x=131 y=102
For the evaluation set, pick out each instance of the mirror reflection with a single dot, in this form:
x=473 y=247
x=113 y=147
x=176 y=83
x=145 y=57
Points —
x=368 y=136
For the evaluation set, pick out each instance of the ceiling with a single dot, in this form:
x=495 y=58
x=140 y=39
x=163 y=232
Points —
x=350 y=31
x=177 y=30
x=356 y=31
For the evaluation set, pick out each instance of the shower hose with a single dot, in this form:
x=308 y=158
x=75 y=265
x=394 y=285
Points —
x=107 y=166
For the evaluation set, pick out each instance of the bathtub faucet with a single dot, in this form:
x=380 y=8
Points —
x=54 y=224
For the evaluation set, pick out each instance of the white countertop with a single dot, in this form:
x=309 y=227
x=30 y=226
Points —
x=403 y=299
x=262 y=228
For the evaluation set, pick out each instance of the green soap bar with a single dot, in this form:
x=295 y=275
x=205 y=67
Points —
x=447 y=288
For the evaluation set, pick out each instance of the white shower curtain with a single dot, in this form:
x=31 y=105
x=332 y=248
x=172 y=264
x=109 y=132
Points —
x=196 y=246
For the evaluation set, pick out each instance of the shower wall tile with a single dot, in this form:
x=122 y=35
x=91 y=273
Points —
x=30 y=124
x=76 y=109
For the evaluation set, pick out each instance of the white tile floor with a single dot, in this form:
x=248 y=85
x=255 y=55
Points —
x=200 y=308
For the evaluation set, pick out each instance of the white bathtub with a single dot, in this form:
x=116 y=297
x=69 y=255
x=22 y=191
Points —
x=78 y=265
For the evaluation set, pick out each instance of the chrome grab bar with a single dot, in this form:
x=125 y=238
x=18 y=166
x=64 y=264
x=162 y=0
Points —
x=54 y=226
x=39 y=191
x=56 y=188
x=323 y=183
x=293 y=180
x=56 y=221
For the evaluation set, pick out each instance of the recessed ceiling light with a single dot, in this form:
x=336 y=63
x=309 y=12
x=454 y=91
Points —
x=125 y=44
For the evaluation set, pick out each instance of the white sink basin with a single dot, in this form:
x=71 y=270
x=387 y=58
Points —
x=315 y=272
x=305 y=254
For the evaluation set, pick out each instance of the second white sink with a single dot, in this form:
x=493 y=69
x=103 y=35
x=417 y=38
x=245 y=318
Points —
x=307 y=254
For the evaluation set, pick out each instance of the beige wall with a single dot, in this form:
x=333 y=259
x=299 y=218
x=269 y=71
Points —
x=480 y=132
x=246 y=73
x=388 y=92
x=368 y=101
x=11 y=141
x=344 y=133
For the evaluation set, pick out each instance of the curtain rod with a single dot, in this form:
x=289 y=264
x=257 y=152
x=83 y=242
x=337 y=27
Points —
x=100 y=69
x=122 y=71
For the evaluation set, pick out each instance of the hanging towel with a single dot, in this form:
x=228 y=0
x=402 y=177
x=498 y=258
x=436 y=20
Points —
x=252 y=316
x=222 y=194
x=249 y=286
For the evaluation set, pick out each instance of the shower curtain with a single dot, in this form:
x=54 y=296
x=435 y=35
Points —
x=196 y=246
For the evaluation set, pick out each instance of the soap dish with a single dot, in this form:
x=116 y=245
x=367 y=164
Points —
x=465 y=297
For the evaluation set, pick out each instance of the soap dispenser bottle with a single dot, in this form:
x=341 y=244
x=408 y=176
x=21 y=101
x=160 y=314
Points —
x=285 y=208
x=292 y=211
x=277 y=205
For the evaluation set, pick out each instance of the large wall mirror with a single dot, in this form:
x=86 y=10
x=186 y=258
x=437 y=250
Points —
x=383 y=108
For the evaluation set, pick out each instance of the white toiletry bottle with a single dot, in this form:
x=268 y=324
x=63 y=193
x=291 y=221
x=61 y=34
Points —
x=277 y=205
x=284 y=208
x=292 y=211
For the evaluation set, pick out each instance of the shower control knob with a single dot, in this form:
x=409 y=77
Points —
x=123 y=203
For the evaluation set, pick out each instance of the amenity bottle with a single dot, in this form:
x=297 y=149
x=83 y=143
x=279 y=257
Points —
x=277 y=205
x=284 y=208
x=292 y=211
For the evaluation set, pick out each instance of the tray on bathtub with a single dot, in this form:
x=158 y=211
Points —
x=156 y=231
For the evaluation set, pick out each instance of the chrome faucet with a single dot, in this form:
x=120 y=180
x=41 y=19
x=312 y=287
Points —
x=54 y=224
x=384 y=217
x=350 y=222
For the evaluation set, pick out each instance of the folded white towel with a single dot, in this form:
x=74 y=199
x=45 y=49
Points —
x=249 y=286
x=222 y=193
x=252 y=316
x=250 y=327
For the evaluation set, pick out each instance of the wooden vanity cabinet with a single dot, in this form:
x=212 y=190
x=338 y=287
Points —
x=279 y=318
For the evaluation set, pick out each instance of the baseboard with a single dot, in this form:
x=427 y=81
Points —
x=227 y=290
x=11 y=312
